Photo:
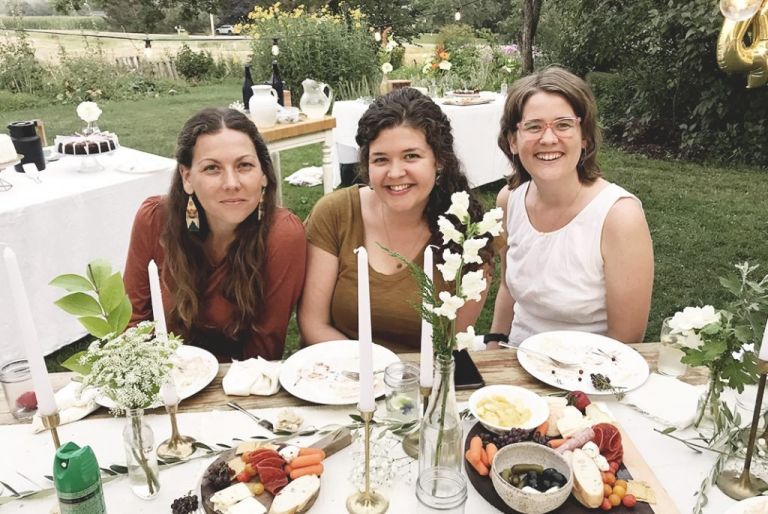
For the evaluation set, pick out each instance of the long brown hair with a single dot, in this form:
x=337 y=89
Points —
x=577 y=93
x=186 y=268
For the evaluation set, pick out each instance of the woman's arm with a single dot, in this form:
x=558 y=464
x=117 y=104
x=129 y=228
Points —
x=145 y=235
x=315 y=305
x=627 y=252
x=503 y=306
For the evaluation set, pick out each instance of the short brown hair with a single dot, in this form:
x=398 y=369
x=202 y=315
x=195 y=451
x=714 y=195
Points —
x=577 y=93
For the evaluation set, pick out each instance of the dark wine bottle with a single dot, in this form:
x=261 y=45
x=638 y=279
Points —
x=247 y=83
x=276 y=81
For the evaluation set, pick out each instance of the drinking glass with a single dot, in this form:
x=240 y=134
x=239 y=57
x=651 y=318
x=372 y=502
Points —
x=18 y=390
x=441 y=490
x=670 y=353
x=402 y=391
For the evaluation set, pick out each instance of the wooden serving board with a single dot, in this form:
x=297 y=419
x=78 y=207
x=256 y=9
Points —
x=484 y=486
x=330 y=444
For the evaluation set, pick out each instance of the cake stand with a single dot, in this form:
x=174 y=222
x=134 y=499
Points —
x=4 y=184
x=90 y=163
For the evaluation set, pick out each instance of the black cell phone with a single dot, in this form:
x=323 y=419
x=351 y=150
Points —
x=466 y=375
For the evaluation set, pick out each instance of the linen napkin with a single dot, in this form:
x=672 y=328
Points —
x=73 y=404
x=253 y=376
x=666 y=399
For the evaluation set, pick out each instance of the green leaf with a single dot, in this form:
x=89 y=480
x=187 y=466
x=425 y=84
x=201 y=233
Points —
x=119 y=469
x=112 y=292
x=95 y=326
x=108 y=471
x=121 y=316
x=73 y=364
x=98 y=272
x=668 y=430
x=79 y=304
x=198 y=444
x=72 y=283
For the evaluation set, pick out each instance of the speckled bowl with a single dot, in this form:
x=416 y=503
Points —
x=530 y=453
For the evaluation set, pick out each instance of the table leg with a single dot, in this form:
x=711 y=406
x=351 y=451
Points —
x=275 y=156
x=327 y=168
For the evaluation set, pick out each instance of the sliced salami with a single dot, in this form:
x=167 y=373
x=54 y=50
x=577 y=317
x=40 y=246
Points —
x=274 y=462
x=277 y=484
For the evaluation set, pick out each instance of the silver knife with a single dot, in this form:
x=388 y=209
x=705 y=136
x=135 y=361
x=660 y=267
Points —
x=262 y=422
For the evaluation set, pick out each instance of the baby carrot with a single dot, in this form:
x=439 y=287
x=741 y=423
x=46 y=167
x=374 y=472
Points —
x=315 y=469
x=542 y=429
x=484 y=457
x=491 y=450
x=473 y=459
x=311 y=451
x=554 y=443
x=288 y=469
x=306 y=460
x=475 y=444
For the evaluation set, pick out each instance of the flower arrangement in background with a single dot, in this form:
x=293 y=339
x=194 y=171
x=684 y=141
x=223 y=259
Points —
x=438 y=63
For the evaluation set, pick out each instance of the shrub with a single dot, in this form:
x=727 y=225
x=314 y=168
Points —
x=20 y=72
x=314 y=45
x=16 y=101
x=90 y=76
x=455 y=35
x=194 y=66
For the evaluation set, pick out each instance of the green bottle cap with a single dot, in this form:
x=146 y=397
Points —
x=75 y=469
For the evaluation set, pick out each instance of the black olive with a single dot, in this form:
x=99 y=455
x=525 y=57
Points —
x=558 y=478
x=544 y=485
x=549 y=473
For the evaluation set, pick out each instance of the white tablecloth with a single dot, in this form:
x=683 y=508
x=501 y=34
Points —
x=61 y=224
x=678 y=468
x=475 y=132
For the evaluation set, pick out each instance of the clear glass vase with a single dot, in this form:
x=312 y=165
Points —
x=140 y=455
x=91 y=128
x=440 y=432
x=708 y=410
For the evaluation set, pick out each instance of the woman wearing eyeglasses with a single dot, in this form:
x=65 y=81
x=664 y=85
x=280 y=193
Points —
x=579 y=254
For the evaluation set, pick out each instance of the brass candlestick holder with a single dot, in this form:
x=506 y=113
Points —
x=367 y=501
x=740 y=486
x=177 y=446
x=50 y=422
x=411 y=440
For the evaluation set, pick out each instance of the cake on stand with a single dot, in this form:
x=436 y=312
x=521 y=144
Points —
x=88 y=148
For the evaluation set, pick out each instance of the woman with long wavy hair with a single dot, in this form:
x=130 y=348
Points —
x=231 y=262
x=408 y=160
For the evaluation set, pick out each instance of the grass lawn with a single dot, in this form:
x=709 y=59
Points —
x=703 y=219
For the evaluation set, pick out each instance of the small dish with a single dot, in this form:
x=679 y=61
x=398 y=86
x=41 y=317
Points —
x=533 y=409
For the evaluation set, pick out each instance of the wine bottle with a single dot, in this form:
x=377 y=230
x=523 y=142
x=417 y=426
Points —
x=247 y=84
x=276 y=81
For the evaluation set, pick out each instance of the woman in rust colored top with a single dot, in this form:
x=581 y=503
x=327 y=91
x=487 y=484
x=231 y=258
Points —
x=231 y=262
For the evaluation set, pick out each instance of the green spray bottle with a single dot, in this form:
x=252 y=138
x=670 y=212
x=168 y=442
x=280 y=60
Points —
x=77 y=480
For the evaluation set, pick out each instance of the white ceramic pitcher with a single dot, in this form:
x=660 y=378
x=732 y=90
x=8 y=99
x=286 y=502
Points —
x=263 y=106
x=314 y=102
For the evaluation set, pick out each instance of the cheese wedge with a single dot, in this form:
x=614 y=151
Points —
x=247 y=506
x=557 y=405
x=297 y=496
x=225 y=498
x=587 y=480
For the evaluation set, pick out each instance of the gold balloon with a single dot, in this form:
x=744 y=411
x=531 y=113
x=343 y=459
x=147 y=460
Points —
x=733 y=54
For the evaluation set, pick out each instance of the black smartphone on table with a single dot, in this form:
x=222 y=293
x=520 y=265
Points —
x=466 y=375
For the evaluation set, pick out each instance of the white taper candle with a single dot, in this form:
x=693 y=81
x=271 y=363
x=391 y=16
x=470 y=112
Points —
x=158 y=312
x=364 y=336
x=763 y=356
x=427 y=352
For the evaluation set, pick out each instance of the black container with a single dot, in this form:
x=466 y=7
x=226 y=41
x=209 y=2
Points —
x=247 y=87
x=27 y=143
x=276 y=81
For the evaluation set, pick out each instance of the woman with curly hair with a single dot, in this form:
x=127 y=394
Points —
x=231 y=262
x=407 y=157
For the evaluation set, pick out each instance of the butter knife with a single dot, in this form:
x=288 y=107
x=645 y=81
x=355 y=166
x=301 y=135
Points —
x=262 y=422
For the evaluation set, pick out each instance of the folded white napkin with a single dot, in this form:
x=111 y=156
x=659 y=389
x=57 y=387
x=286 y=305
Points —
x=311 y=176
x=253 y=376
x=666 y=399
x=73 y=405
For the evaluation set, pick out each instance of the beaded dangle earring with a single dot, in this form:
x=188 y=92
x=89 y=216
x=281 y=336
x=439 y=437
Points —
x=261 y=203
x=193 y=220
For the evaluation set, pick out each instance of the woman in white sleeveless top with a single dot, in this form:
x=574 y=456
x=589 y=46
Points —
x=579 y=254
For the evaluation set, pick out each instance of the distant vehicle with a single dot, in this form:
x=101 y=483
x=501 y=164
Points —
x=226 y=30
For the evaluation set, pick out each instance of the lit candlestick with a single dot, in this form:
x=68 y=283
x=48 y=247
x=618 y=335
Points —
x=764 y=345
x=168 y=394
x=46 y=403
x=425 y=363
x=367 y=399
x=158 y=313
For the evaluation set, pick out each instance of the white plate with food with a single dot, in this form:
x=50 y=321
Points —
x=591 y=358
x=315 y=374
x=195 y=368
x=501 y=408
x=756 y=505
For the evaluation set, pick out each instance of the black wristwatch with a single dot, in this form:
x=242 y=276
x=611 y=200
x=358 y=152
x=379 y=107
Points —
x=493 y=338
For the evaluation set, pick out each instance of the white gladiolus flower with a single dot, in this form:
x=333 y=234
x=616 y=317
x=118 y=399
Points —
x=451 y=265
x=472 y=247
x=88 y=111
x=450 y=305
x=460 y=206
x=386 y=67
x=491 y=222
x=693 y=318
x=449 y=230
x=465 y=339
x=444 y=65
x=473 y=284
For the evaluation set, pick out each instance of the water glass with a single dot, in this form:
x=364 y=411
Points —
x=670 y=353
x=441 y=489
x=401 y=380
x=18 y=390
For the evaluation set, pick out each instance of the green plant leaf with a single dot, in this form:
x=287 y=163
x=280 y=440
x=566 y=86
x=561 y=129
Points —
x=96 y=326
x=98 y=272
x=111 y=292
x=73 y=364
x=72 y=283
x=79 y=304
x=121 y=316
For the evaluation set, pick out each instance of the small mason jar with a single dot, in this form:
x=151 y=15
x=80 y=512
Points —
x=18 y=390
x=441 y=489
x=670 y=353
x=402 y=391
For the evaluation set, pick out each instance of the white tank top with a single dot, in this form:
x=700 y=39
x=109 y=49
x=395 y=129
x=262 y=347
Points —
x=557 y=278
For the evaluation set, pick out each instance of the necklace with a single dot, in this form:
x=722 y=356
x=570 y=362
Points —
x=416 y=239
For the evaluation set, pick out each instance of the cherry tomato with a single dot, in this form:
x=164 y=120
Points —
x=606 y=505
x=607 y=490
x=622 y=483
x=629 y=500
x=614 y=499
x=619 y=491
x=614 y=466
x=609 y=478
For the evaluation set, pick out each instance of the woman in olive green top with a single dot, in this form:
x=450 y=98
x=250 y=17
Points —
x=406 y=153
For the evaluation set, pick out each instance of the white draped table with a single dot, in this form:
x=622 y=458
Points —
x=61 y=224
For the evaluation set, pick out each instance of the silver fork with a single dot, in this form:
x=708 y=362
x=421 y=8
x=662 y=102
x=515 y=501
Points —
x=262 y=422
x=354 y=375
x=557 y=362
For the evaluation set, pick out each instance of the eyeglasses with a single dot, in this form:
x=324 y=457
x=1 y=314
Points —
x=562 y=127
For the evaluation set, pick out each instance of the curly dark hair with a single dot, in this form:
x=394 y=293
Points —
x=186 y=266
x=577 y=93
x=410 y=108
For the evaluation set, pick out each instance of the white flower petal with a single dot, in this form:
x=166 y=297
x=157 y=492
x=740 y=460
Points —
x=460 y=206
x=449 y=231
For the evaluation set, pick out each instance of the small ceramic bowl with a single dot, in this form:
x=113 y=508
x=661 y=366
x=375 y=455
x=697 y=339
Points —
x=288 y=115
x=530 y=453
x=539 y=410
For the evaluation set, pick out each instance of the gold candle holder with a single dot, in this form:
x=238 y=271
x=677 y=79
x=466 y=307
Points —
x=411 y=440
x=50 y=422
x=740 y=486
x=177 y=446
x=367 y=501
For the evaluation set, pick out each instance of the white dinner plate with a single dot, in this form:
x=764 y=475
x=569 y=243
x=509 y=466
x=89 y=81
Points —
x=314 y=373
x=196 y=369
x=626 y=368
x=756 y=505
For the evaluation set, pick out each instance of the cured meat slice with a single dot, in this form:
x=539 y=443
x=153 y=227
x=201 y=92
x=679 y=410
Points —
x=273 y=479
x=275 y=485
x=608 y=439
x=257 y=456
x=275 y=462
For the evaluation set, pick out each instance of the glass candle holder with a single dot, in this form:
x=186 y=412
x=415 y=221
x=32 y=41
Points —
x=401 y=380
x=441 y=489
x=18 y=389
